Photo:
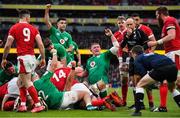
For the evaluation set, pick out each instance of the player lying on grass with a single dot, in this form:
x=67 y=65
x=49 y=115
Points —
x=160 y=68
x=64 y=81
x=10 y=96
x=9 y=92
x=52 y=96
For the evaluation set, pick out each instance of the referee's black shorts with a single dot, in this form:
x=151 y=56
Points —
x=131 y=66
x=162 y=73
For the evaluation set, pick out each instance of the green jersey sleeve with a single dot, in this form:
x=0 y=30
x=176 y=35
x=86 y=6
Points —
x=69 y=40
x=61 y=51
x=52 y=30
x=1 y=83
x=47 y=75
x=108 y=54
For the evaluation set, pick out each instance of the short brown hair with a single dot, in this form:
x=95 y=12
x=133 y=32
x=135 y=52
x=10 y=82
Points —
x=23 y=13
x=162 y=10
x=137 y=49
x=121 y=18
x=94 y=43
x=61 y=18
x=47 y=42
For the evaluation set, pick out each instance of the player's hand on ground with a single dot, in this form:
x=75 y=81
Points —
x=42 y=63
x=108 y=32
x=48 y=6
x=3 y=63
x=152 y=43
x=73 y=63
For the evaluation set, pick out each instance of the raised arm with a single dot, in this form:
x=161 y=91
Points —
x=70 y=77
x=54 y=61
x=46 y=16
x=115 y=43
x=78 y=57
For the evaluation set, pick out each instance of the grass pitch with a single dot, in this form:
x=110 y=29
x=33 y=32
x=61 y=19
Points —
x=173 y=110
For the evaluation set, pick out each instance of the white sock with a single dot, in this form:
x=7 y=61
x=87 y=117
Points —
x=23 y=103
x=37 y=104
x=88 y=104
x=139 y=90
x=175 y=93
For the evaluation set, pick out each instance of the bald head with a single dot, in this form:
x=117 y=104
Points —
x=130 y=23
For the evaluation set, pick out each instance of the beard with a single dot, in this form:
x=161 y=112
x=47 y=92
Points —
x=160 y=22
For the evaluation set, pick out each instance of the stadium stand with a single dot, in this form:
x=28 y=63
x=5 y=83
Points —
x=86 y=19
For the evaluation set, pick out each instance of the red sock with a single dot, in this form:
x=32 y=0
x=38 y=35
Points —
x=124 y=92
x=33 y=93
x=23 y=94
x=150 y=97
x=163 y=94
x=98 y=102
x=8 y=106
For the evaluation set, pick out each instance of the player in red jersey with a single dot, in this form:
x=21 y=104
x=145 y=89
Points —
x=171 y=42
x=119 y=35
x=64 y=80
x=147 y=30
x=60 y=76
x=9 y=92
x=25 y=36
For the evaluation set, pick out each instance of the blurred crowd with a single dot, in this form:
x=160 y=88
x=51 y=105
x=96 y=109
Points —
x=94 y=2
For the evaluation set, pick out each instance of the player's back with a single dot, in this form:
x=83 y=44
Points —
x=24 y=34
x=153 y=60
x=60 y=77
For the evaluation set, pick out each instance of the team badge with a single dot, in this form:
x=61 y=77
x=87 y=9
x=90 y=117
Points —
x=92 y=64
x=62 y=41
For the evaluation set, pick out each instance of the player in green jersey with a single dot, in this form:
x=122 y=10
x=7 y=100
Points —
x=76 y=51
x=8 y=73
x=98 y=65
x=55 y=99
x=61 y=52
x=58 y=35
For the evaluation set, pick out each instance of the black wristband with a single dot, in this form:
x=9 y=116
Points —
x=73 y=68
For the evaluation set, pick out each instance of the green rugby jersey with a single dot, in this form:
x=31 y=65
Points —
x=48 y=91
x=61 y=53
x=64 y=38
x=98 y=66
x=75 y=47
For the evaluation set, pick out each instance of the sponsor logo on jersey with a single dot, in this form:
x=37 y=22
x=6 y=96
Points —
x=92 y=64
x=62 y=41
x=65 y=38
x=57 y=33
